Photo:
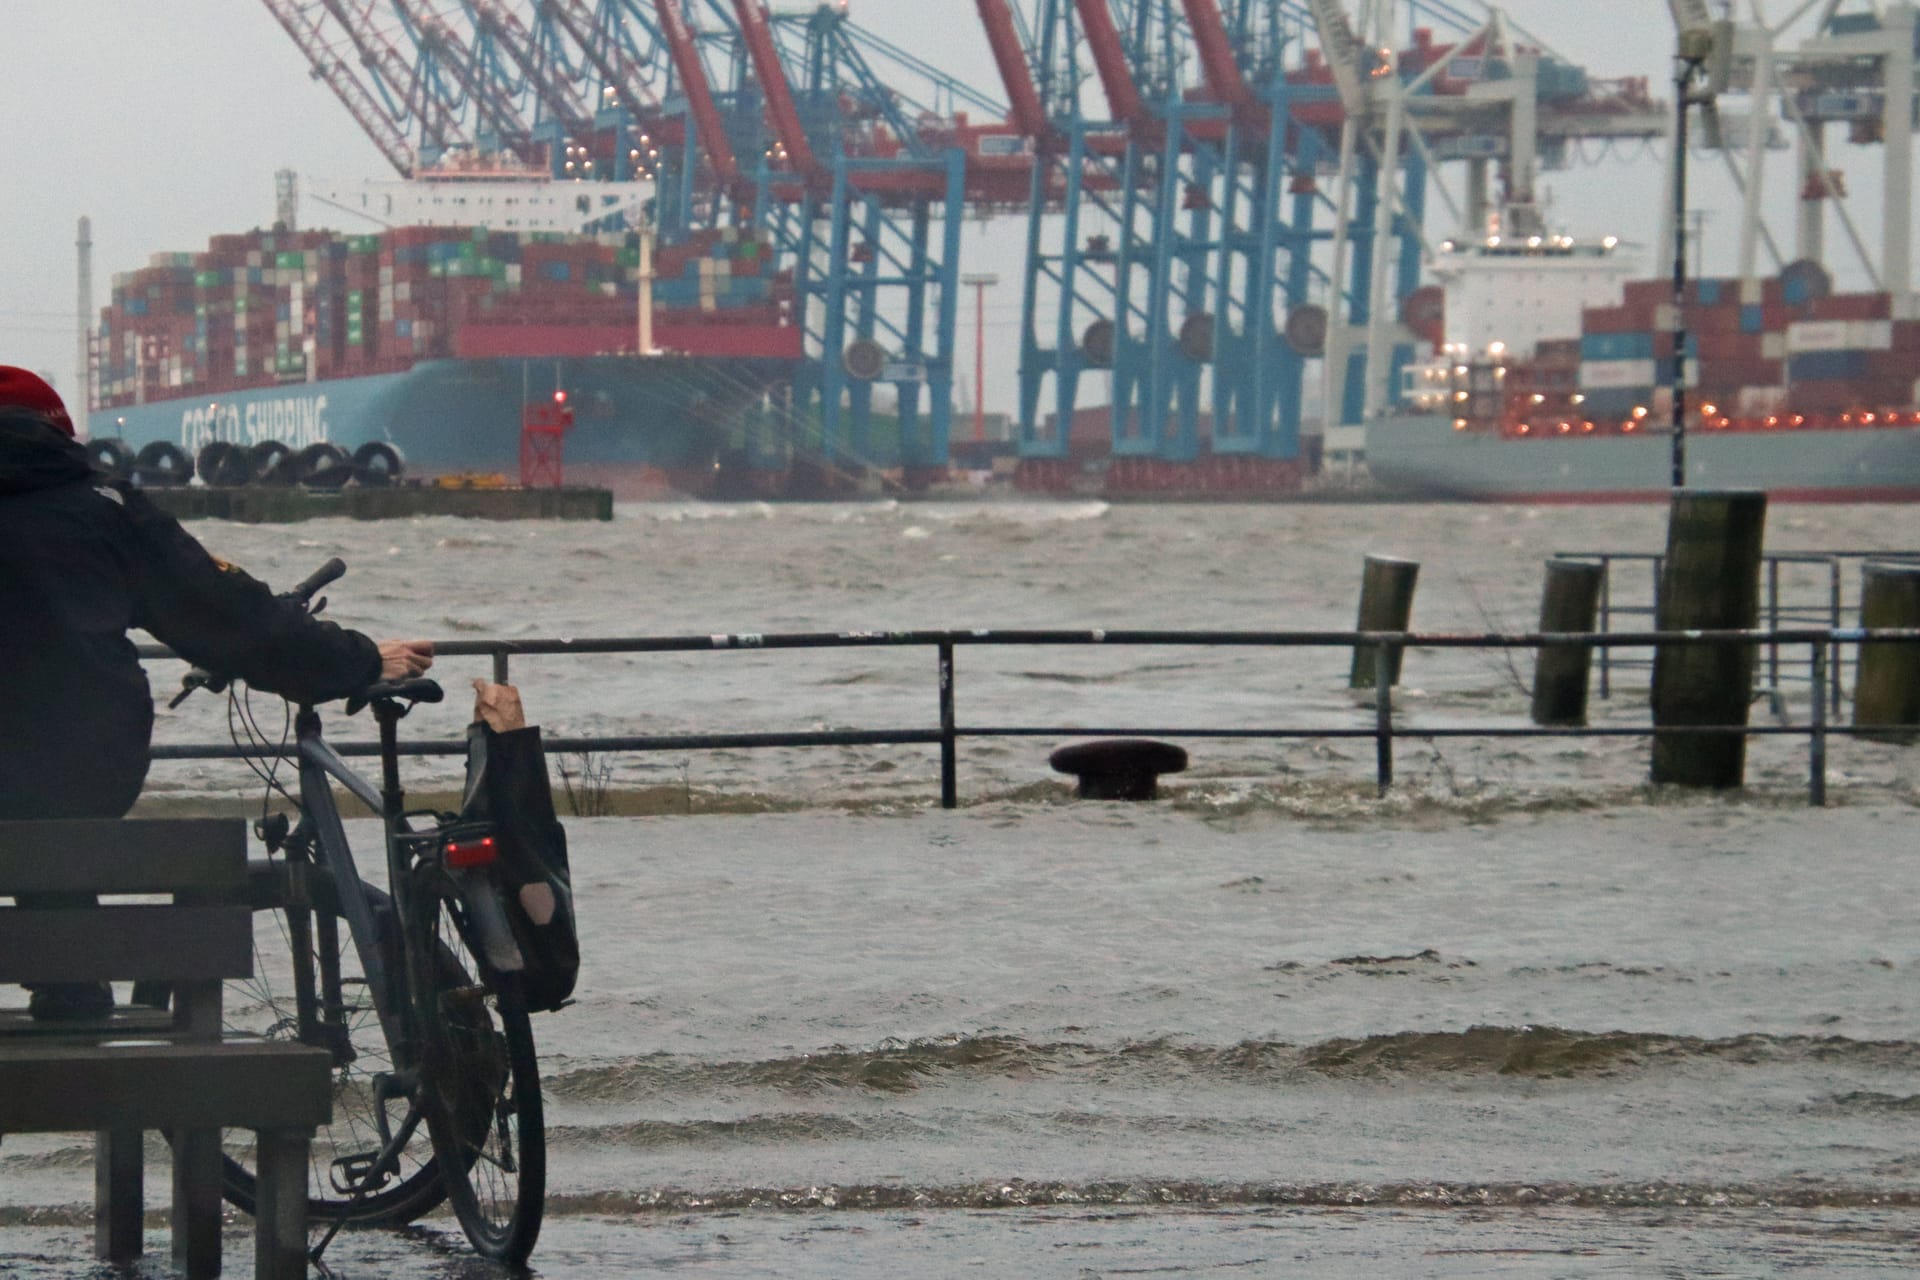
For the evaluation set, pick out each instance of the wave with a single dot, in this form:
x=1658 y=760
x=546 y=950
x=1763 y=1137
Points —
x=1526 y=1051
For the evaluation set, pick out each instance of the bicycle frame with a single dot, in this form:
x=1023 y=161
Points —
x=321 y=834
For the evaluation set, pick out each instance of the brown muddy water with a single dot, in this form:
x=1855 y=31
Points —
x=1523 y=1016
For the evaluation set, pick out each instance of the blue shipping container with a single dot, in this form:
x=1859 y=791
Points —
x=1616 y=346
x=1827 y=366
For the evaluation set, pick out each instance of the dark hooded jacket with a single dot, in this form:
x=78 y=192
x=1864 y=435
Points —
x=84 y=559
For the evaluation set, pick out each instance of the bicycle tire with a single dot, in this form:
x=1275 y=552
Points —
x=265 y=1005
x=483 y=1100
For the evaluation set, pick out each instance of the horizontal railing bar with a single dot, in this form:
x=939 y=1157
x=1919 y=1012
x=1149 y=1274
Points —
x=1110 y=637
x=913 y=737
x=649 y=742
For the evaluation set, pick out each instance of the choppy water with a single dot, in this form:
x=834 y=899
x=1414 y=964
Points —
x=1522 y=1015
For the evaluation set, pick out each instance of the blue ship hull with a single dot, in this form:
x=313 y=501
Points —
x=665 y=414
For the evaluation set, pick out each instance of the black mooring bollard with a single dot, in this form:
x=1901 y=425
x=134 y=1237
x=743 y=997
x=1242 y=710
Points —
x=1386 y=604
x=1119 y=768
x=1710 y=582
x=1887 y=689
x=1570 y=603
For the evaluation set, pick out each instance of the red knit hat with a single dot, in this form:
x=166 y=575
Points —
x=24 y=390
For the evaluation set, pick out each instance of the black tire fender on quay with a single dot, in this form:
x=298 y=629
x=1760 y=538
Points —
x=378 y=462
x=222 y=464
x=162 y=464
x=270 y=462
x=112 y=456
x=323 y=465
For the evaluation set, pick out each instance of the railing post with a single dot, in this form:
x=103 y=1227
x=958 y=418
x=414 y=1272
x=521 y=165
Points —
x=1606 y=626
x=949 y=783
x=1834 y=599
x=500 y=667
x=1817 y=731
x=1386 y=660
x=1773 y=621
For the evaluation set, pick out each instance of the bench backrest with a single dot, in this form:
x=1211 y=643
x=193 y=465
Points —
x=203 y=936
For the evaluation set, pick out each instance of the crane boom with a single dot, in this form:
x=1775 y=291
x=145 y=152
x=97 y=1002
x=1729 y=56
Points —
x=712 y=134
x=1222 y=69
x=1028 y=115
x=438 y=125
x=765 y=56
x=353 y=95
x=512 y=34
x=435 y=34
x=1110 y=60
x=1342 y=49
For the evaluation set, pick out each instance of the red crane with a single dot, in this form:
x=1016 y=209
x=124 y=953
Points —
x=765 y=56
x=1222 y=69
x=1116 y=77
x=360 y=104
x=496 y=20
x=693 y=81
x=1028 y=113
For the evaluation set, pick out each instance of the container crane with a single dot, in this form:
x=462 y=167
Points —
x=1854 y=69
x=854 y=201
x=563 y=121
x=492 y=95
x=301 y=22
x=399 y=98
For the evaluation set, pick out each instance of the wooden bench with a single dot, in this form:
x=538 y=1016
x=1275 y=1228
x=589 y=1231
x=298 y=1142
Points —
x=144 y=1069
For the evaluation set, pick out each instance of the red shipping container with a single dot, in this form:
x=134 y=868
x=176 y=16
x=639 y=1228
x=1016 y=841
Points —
x=1851 y=306
x=1612 y=320
x=1890 y=366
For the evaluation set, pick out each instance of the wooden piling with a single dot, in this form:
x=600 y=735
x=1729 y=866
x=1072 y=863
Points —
x=1570 y=602
x=1386 y=604
x=1887 y=689
x=1710 y=582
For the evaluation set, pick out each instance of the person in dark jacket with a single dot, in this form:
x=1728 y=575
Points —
x=84 y=559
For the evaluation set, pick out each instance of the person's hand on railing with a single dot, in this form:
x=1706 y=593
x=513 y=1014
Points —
x=404 y=659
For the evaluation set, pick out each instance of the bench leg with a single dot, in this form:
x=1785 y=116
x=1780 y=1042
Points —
x=280 y=1214
x=118 y=1195
x=196 y=1202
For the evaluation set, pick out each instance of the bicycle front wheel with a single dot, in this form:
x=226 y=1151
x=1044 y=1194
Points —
x=372 y=1165
x=481 y=1087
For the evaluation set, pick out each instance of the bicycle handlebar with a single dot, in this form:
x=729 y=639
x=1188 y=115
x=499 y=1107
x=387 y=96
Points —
x=328 y=572
x=301 y=594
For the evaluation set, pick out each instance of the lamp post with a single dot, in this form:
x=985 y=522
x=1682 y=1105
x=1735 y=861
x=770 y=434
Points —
x=1697 y=47
x=980 y=281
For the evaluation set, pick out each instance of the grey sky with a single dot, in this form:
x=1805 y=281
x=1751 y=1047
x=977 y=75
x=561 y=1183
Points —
x=165 y=120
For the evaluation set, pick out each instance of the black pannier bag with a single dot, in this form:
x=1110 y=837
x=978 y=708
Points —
x=507 y=786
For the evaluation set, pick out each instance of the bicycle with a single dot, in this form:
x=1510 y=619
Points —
x=419 y=998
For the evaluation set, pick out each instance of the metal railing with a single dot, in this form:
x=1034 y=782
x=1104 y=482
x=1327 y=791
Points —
x=1790 y=603
x=948 y=731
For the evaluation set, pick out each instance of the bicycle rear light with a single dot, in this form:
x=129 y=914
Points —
x=471 y=852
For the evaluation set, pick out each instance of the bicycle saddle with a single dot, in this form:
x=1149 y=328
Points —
x=413 y=690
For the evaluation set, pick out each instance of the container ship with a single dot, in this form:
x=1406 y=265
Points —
x=1552 y=381
x=316 y=355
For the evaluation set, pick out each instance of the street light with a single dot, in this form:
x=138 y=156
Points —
x=980 y=281
x=1703 y=53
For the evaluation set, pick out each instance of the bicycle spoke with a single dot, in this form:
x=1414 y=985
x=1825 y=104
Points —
x=486 y=1108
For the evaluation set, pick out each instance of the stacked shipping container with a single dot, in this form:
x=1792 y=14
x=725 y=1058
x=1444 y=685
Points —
x=1781 y=350
x=270 y=307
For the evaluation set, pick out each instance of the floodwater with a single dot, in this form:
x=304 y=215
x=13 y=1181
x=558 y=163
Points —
x=1524 y=1015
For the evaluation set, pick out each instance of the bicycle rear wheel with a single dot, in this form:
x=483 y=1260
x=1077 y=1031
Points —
x=481 y=1083
x=346 y=1180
